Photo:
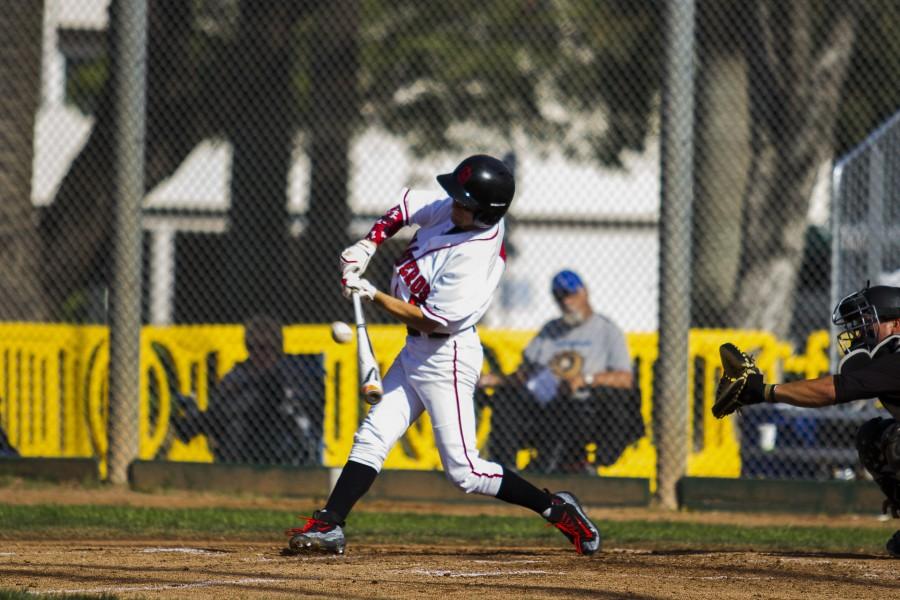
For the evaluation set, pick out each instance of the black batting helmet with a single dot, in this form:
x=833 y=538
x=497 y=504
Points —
x=859 y=314
x=483 y=184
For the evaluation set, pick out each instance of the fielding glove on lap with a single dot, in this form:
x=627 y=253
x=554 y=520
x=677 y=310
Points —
x=741 y=385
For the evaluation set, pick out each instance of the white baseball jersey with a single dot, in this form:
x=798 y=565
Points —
x=452 y=276
x=449 y=273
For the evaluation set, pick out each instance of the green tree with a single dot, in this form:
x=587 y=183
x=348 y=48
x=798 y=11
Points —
x=797 y=64
x=770 y=85
x=768 y=92
x=721 y=161
x=76 y=228
x=576 y=75
x=220 y=70
x=260 y=122
x=427 y=71
x=368 y=74
x=868 y=97
x=20 y=68
x=330 y=119
x=469 y=76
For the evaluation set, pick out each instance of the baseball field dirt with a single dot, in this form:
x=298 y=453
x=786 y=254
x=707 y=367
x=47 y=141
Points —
x=223 y=568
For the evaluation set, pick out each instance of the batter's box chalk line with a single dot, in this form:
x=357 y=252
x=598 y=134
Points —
x=514 y=561
x=446 y=573
x=182 y=550
x=166 y=586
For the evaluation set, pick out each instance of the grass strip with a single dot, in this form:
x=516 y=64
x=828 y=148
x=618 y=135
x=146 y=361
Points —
x=112 y=522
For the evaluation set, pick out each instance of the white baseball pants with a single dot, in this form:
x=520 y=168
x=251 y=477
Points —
x=437 y=375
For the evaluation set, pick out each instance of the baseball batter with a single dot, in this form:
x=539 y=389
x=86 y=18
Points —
x=441 y=286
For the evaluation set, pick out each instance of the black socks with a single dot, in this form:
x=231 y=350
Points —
x=515 y=490
x=355 y=480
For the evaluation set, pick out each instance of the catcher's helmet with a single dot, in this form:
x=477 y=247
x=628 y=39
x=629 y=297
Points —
x=859 y=314
x=484 y=185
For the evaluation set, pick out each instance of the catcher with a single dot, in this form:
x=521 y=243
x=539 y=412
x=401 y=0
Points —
x=869 y=322
x=575 y=386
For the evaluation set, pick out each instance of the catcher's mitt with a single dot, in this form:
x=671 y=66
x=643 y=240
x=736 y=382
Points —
x=566 y=364
x=741 y=384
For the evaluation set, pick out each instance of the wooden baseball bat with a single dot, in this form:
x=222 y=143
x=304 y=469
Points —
x=369 y=375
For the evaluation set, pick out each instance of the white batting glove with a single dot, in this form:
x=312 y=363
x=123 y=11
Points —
x=354 y=284
x=355 y=259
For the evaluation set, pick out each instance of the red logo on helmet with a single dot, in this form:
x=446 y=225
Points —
x=464 y=175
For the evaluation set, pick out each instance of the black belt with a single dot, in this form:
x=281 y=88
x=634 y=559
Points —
x=434 y=335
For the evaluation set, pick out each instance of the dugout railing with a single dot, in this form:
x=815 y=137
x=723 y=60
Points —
x=53 y=390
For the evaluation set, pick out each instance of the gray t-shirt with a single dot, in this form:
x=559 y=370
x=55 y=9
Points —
x=598 y=340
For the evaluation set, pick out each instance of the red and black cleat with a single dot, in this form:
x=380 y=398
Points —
x=567 y=515
x=322 y=533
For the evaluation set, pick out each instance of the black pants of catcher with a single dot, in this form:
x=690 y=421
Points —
x=878 y=445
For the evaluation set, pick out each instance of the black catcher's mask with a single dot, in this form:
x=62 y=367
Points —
x=859 y=314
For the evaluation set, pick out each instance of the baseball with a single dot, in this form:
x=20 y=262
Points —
x=341 y=332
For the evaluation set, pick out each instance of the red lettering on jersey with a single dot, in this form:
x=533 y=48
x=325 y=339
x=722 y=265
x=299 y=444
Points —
x=417 y=285
x=408 y=272
x=503 y=251
x=419 y=299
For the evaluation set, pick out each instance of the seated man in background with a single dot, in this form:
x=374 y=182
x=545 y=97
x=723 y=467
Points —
x=575 y=386
x=267 y=409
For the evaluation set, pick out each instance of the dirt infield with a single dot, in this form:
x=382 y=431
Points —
x=167 y=568
x=258 y=570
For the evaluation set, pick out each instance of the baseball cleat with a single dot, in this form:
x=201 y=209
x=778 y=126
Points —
x=322 y=533
x=567 y=515
x=893 y=545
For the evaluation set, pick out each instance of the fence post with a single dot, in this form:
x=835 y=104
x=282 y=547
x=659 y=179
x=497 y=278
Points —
x=670 y=380
x=125 y=315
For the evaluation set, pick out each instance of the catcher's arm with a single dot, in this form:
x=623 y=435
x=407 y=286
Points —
x=808 y=393
x=741 y=384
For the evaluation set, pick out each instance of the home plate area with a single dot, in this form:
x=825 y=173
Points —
x=217 y=569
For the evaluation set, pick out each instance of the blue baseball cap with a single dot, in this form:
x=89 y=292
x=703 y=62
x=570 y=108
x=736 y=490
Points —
x=565 y=282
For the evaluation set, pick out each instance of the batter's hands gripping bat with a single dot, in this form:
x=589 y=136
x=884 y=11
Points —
x=369 y=376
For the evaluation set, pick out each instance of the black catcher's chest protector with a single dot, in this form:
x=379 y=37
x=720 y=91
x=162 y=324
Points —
x=878 y=369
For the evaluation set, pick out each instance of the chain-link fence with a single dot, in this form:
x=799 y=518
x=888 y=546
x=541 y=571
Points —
x=865 y=219
x=277 y=132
